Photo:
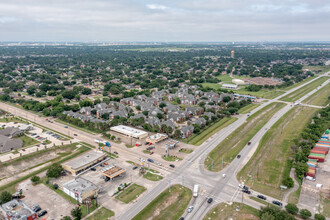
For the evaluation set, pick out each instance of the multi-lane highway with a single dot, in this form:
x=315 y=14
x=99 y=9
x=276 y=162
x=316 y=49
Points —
x=191 y=171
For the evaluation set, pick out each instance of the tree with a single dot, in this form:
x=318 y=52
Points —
x=35 y=179
x=54 y=170
x=292 y=208
x=31 y=90
x=159 y=115
x=162 y=105
x=319 y=217
x=305 y=214
x=68 y=94
x=76 y=213
x=5 y=197
x=226 y=99
x=86 y=91
x=288 y=181
x=300 y=168
x=66 y=218
x=267 y=216
x=177 y=133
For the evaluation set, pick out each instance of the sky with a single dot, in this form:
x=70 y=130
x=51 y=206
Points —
x=164 y=20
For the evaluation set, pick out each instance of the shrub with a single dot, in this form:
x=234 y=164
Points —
x=35 y=179
x=319 y=217
x=292 y=208
x=55 y=186
x=305 y=214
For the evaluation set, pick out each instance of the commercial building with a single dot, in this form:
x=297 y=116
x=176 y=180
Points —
x=112 y=171
x=229 y=86
x=80 y=189
x=130 y=132
x=84 y=162
x=17 y=210
x=7 y=144
x=156 y=138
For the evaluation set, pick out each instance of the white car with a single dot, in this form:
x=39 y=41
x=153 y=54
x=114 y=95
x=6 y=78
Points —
x=190 y=208
x=159 y=163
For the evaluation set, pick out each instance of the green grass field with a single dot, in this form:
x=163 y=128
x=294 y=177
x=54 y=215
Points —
x=168 y=205
x=294 y=196
x=131 y=193
x=248 y=108
x=235 y=142
x=225 y=211
x=325 y=207
x=101 y=214
x=152 y=176
x=27 y=141
x=186 y=151
x=171 y=158
x=319 y=69
x=264 y=173
x=212 y=85
x=224 y=78
x=74 y=126
x=304 y=90
x=320 y=98
x=263 y=93
x=208 y=132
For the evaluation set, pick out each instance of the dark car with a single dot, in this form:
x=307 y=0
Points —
x=115 y=152
x=246 y=191
x=106 y=179
x=36 y=208
x=75 y=134
x=93 y=169
x=42 y=213
x=134 y=168
x=146 y=143
x=172 y=165
x=209 y=200
x=238 y=156
x=261 y=197
x=182 y=218
x=277 y=203
x=249 y=143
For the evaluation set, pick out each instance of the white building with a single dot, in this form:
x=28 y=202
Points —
x=130 y=132
x=229 y=86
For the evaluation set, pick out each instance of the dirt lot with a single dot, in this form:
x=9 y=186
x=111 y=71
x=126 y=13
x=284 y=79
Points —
x=263 y=81
x=47 y=199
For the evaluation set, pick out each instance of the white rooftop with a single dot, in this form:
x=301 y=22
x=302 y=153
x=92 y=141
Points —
x=129 y=131
x=85 y=159
x=80 y=185
x=157 y=136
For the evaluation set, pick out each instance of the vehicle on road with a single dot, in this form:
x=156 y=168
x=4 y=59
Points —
x=66 y=126
x=75 y=134
x=93 y=169
x=146 y=143
x=150 y=160
x=249 y=143
x=115 y=152
x=106 y=179
x=246 y=191
x=277 y=203
x=181 y=218
x=159 y=163
x=172 y=165
x=151 y=153
x=210 y=200
x=195 y=193
x=238 y=156
x=23 y=149
x=135 y=167
x=262 y=197
x=42 y=213
x=190 y=208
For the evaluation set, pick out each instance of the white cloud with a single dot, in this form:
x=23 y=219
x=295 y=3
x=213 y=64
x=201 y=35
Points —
x=156 y=7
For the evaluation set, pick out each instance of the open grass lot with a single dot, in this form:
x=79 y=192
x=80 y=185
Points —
x=294 y=196
x=168 y=205
x=171 y=158
x=101 y=214
x=212 y=85
x=320 y=97
x=224 y=211
x=248 y=108
x=224 y=78
x=186 y=151
x=325 y=206
x=74 y=126
x=27 y=141
x=10 y=119
x=235 y=142
x=264 y=173
x=304 y=90
x=131 y=193
x=263 y=93
x=208 y=132
x=319 y=69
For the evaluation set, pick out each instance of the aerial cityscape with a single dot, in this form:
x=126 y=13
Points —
x=196 y=110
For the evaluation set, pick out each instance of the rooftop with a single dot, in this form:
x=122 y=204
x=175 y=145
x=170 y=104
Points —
x=112 y=171
x=80 y=185
x=128 y=130
x=17 y=209
x=157 y=136
x=84 y=159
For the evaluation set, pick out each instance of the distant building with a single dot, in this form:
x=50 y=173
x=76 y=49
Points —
x=17 y=210
x=156 y=138
x=232 y=55
x=84 y=162
x=11 y=132
x=229 y=86
x=80 y=189
x=8 y=144
x=130 y=132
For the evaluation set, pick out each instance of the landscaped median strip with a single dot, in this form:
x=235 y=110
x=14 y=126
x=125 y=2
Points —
x=229 y=148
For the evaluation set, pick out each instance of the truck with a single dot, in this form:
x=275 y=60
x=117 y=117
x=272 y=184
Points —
x=195 y=194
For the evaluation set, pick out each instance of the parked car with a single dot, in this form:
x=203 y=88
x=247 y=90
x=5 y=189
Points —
x=151 y=153
x=209 y=200
x=277 y=203
x=93 y=169
x=23 y=149
x=146 y=143
x=135 y=167
x=36 y=208
x=190 y=208
x=42 y=213
x=246 y=191
x=106 y=179
x=261 y=197
x=172 y=165
x=115 y=152
x=159 y=163
x=150 y=160
x=75 y=134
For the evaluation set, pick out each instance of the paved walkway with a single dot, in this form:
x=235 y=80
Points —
x=293 y=189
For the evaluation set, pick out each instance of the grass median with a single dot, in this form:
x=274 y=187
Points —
x=304 y=90
x=131 y=193
x=208 y=132
x=168 y=205
x=264 y=170
x=100 y=214
x=248 y=108
x=229 y=148
x=320 y=98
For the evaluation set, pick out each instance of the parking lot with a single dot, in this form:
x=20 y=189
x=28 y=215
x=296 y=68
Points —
x=47 y=199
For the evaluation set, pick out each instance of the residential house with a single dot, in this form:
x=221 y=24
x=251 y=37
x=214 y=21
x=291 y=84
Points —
x=11 y=132
x=199 y=121
x=194 y=110
x=8 y=144
x=186 y=131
